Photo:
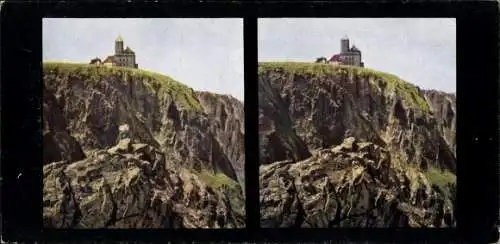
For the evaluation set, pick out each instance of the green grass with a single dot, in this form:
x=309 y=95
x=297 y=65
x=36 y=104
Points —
x=217 y=180
x=382 y=81
x=441 y=178
x=303 y=68
x=181 y=93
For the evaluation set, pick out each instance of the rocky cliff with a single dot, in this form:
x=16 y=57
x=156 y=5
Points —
x=444 y=108
x=353 y=147
x=227 y=122
x=180 y=164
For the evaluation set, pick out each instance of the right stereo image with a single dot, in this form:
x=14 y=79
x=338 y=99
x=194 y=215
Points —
x=357 y=122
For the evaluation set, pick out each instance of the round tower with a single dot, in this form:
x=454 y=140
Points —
x=118 y=45
x=357 y=55
x=344 y=44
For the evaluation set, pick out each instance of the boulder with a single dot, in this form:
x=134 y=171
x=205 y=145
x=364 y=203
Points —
x=123 y=146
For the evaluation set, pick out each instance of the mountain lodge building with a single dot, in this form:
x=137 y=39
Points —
x=347 y=56
x=123 y=57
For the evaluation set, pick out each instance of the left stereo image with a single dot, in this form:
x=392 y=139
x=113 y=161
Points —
x=143 y=123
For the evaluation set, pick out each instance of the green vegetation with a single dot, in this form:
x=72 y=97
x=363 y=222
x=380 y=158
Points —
x=217 y=180
x=231 y=188
x=387 y=83
x=443 y=179
x=181 y=93
x=302 y=68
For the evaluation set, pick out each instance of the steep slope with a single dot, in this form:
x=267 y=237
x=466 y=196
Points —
x=227 y=121
x=309 y=108
x=88 y=104
x=444 y=109
x=58 y=144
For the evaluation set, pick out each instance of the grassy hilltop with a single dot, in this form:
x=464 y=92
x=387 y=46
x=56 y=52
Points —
x=380 y=80
x=155 y=81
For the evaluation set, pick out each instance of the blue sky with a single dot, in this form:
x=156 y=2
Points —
x=205 y=54
x=421 y=51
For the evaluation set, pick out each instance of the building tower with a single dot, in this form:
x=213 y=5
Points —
x=118 y=45
x=344 y=44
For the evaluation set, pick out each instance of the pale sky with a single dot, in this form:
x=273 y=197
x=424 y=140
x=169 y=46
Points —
x=419 y=50
x=204 y=54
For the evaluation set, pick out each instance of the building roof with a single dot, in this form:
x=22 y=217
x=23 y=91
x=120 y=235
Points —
x=128 y=50
x=119 y=39
x=345 y=37
x=335 y=57
x=354 y=49
x=109 y=59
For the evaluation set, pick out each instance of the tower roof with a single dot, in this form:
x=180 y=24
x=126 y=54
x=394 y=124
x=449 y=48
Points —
x=345 y=37
x=119 y=39
x=128 y=50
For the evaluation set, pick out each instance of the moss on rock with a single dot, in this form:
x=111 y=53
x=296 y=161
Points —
x=443 y=179
x=217 y=180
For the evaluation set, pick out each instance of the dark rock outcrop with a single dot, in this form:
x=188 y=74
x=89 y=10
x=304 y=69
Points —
x=355 y=184
x=277 y=137
x=133 y=186
x=315 y=107
x=444 y=108
x=227 y=123
x=58 y=144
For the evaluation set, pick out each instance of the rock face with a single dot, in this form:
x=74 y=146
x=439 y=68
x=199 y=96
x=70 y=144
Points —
x=58 y=144
x=444 y=107
x=177 y=166
x=353 y=147
x=228 y=125
x=130 y=186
